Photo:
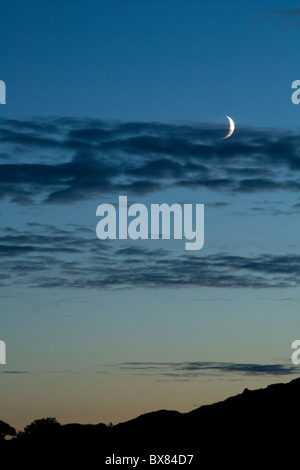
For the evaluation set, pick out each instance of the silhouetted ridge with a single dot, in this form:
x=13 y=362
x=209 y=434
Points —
x=257 y=423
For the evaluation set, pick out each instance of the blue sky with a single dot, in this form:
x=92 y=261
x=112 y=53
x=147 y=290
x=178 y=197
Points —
x=152 y=60
x=108 y=98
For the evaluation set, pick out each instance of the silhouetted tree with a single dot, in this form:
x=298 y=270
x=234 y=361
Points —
x=41 y=428
x=6 y=430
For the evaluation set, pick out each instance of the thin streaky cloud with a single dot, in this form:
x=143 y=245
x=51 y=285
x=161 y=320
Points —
x=97 y=265
x=192 y=370
x=286 y=13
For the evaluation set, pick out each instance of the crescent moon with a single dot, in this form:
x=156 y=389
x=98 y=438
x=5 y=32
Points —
x=231 y=128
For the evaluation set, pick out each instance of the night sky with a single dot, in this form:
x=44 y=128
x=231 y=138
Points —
x=110 y=98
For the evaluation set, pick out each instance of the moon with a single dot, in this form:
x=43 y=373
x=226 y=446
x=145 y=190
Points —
x=231 y=128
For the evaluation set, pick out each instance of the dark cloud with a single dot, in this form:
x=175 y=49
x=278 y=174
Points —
x=17 y=372
x=51 y=258
x=218 y=204
x=64 y=160
x=193 y=370
x=13 y=372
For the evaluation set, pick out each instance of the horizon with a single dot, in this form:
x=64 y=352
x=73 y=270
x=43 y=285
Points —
x=111 y=424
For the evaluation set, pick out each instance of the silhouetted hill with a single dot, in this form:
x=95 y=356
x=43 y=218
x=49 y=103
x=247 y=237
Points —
x=256 y=427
